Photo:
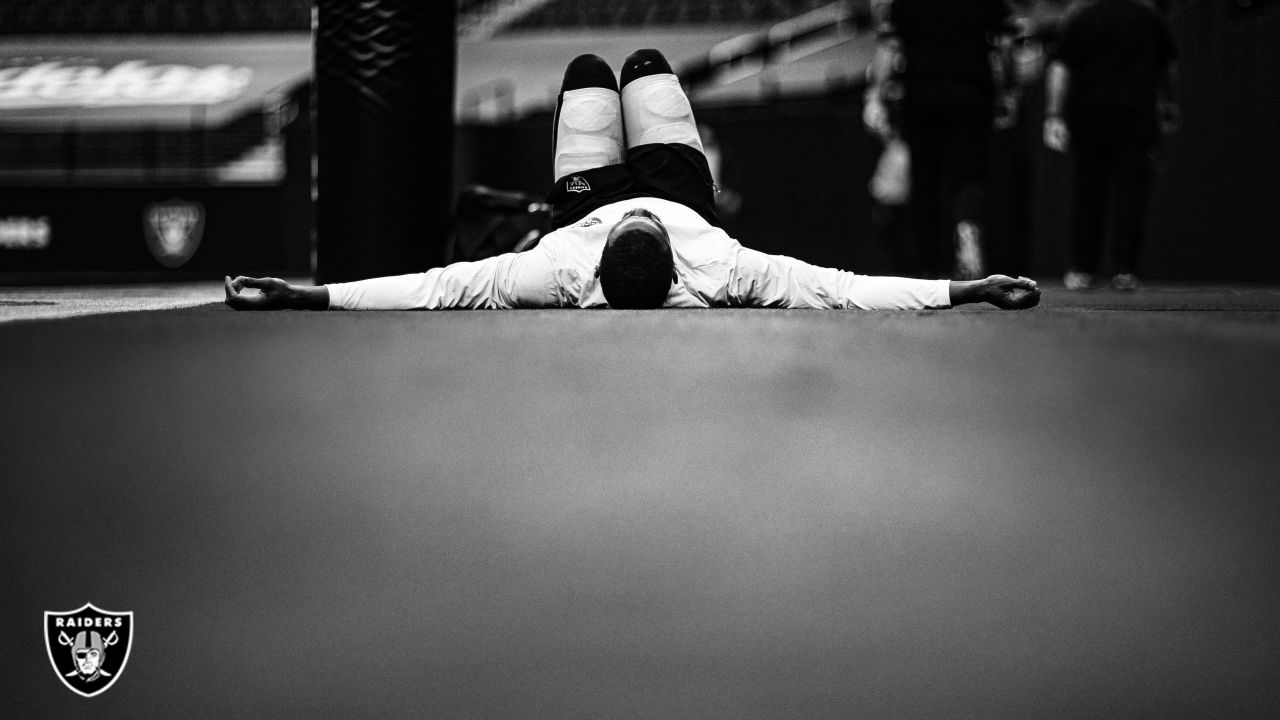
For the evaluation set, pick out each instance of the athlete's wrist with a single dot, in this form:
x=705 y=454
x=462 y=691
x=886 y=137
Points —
x=963 y=292
x=308 y=297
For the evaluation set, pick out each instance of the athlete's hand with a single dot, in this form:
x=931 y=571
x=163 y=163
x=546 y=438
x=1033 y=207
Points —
x=1002 y=291
x=273 y=294
x=1056 y=135
x=1008 y=293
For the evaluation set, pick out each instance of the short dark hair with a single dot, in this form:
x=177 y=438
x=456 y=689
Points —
x=635 y=271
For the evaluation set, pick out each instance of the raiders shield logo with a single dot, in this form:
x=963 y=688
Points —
x=173 y=229
x=88 y=647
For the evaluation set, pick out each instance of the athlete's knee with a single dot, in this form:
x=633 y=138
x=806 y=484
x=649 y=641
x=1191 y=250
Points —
x=588 y=71
x=642 y=63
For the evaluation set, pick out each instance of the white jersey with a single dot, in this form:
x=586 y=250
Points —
x=712 y=269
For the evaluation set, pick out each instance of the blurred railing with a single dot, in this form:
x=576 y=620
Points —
x=787 y=41
x=613 y=14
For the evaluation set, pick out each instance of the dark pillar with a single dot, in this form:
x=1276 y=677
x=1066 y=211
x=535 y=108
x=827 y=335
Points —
x=295 y=193
x=384 y=136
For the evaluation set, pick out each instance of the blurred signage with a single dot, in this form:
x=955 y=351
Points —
x=25 y=233
x=70 y=82
x=173 y=230
x=89 y=83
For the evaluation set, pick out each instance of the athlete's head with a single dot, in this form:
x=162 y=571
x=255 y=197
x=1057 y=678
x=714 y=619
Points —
x=636 y=266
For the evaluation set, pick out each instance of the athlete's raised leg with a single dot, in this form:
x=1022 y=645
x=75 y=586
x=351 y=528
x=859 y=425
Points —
x=588 y=126
x=654 y=106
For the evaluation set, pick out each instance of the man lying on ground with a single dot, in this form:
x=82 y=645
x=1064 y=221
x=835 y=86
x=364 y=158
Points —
x=634 y=208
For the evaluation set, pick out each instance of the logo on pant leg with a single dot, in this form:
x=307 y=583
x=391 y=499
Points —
x=88 y=647
x=576 y=184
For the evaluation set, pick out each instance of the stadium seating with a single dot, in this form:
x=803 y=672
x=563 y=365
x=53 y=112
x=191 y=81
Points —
x=97 y=17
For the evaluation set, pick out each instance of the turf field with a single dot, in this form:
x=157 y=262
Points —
x=1070 y=512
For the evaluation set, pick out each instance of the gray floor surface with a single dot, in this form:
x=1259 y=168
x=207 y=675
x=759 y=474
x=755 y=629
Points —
x=1067 y=512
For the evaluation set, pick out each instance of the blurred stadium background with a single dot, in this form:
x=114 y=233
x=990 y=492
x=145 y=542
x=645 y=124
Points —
x=113 y=112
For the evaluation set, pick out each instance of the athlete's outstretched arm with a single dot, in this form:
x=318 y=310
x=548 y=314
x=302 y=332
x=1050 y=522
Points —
x=762 y=280
x=524 y=279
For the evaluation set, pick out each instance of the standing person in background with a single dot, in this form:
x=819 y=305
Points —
x=890 y=184
x=951 y=57
x=1023 y=172
x=1109 y=97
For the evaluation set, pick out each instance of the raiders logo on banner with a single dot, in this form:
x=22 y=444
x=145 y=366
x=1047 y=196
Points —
x=173 y=230
x=88 y=647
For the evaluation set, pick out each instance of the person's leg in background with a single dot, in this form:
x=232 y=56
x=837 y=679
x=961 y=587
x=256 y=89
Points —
x=921 y=132
x=1132 y=173
x=968 y=138
x=1088 y=203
